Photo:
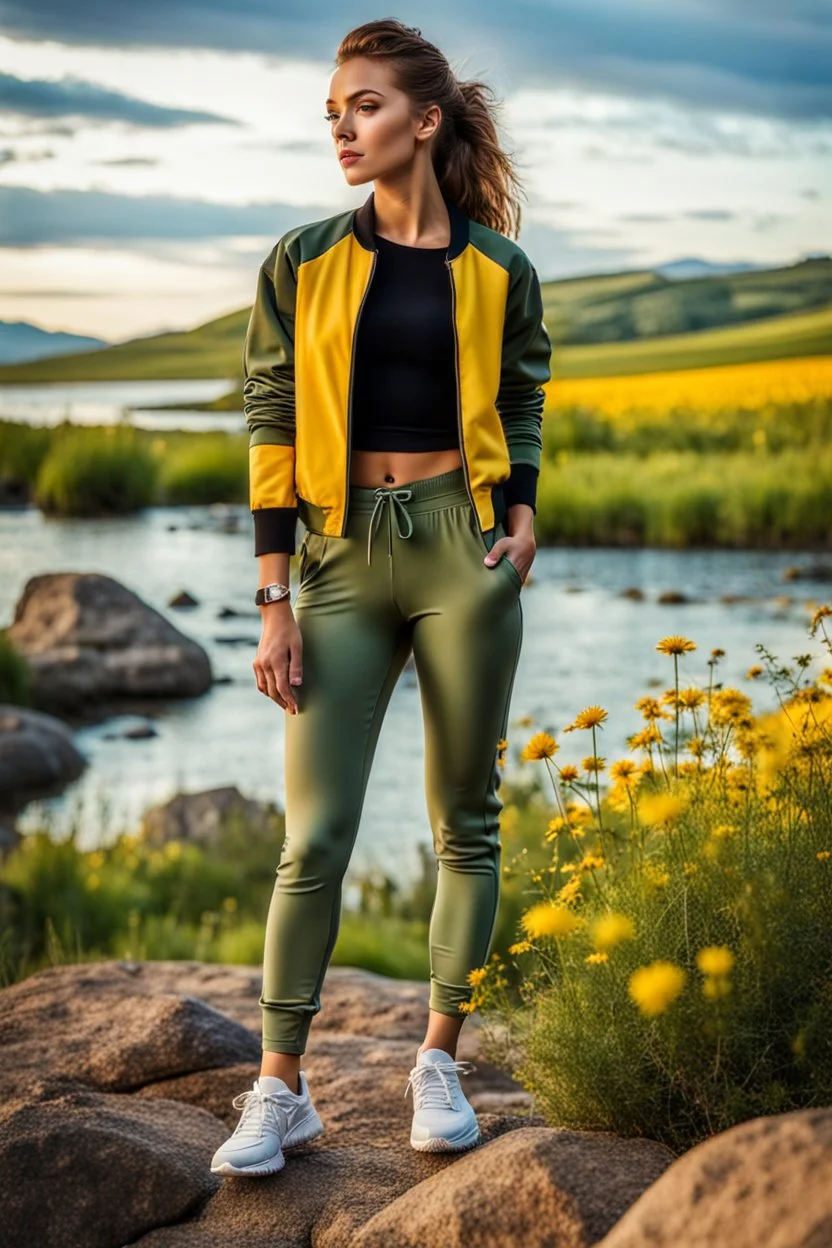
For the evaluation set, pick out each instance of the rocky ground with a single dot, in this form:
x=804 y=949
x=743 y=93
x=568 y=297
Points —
x=116 y=1084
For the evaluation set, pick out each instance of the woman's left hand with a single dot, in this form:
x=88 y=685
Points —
x=520 y=548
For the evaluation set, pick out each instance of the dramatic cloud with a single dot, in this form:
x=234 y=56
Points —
x=765 y=58
x=72 y=98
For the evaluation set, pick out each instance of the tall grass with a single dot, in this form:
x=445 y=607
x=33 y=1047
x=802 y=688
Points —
x=15 y=673
x=92 y=472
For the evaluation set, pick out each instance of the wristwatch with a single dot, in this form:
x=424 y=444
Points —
x=271 y=593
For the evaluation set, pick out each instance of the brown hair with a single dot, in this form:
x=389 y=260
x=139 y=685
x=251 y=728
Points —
x=472 y=169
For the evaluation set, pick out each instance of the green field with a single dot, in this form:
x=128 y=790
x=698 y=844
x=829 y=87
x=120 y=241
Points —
x=637 y=322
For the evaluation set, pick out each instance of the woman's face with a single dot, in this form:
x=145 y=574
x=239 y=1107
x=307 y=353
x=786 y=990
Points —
x=372 y=117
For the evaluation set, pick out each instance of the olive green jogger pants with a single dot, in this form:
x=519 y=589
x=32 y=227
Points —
x=407 y=577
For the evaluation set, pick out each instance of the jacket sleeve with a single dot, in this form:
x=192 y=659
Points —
x=269 y=403
x=525 y=369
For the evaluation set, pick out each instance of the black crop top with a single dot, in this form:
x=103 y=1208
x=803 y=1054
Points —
x=404 y=380
x=404 y=372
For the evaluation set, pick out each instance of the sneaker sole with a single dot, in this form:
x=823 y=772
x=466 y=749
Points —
x=438 y=1144
x=271 y=1166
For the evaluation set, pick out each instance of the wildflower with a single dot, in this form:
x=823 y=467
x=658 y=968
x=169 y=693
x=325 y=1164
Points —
x=571 y=889
x=689 y=868
x=661 y=808
x=522 y=946
x=591 y=861
x=467 y=1007
x=723 y=830
x=651 y=708
x=624 y=769
x=754 y=671
x=716 y=986
x=715 y=960
x=823 y=855
x=611 y=928
x=547 y=919
x=656 y=875
x=655 y=987
x=691 y=698
x=568 y=773
x=589 y=717
x=541 y=745
x=555 y=826
x=730 y=706
x=717 y=653
x=644 y=739
x=675 y=645
x=825 y=677
x=696 y=746
x=594 y=958
x=592 y=762
x=476 y=976
x=818 y=616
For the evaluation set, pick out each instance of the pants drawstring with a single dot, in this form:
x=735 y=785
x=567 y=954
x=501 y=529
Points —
x=396 y=498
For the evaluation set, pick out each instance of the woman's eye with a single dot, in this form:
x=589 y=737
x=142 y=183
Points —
x=330 y=116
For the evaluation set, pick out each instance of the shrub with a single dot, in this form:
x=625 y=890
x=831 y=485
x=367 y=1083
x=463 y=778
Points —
x=93 y=472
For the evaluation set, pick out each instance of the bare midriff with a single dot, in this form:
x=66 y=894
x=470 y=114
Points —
x=371 y=468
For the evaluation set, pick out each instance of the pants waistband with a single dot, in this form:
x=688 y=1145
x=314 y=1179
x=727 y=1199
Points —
x=446 y=489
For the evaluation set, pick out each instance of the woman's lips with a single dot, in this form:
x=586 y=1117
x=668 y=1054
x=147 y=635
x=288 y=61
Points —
x=350 y=159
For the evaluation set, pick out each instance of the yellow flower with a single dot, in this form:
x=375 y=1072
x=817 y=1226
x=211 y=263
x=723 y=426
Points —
x=656 y=875
x=554 y=827
x=568 y=773
x=595 y=958
x=689 y=868
x=819 y=615
x=644 y=739
x=822 y=855
x=571 y=889
x=541 y=745
x=661 y=808
x=467 y=1007
x=593 y=762
x=611 y=928
x=589 y=717
x=691 y=698
x=730 y=706
x=655 y=987
x=723 y=830
x=624 y=769
x=715 y=960
x=715 y=986
x=651 y=708
x=675 y=645
x=95 y=859
x=522 y=946
x=547 y=919
x=476 y=976
x=754 y=672
x=590 y=860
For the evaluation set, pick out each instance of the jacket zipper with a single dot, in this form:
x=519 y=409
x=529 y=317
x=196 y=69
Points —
x=349 y=392
x=458 y=401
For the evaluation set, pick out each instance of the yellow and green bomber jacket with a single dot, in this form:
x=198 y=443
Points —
x=298 y=363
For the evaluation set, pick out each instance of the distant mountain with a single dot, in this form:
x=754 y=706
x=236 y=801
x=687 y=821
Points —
x=21 y=342
x=691 y=266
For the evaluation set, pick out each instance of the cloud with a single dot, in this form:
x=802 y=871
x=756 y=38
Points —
x=761 y=58
x=68 y=218
x=71 y=97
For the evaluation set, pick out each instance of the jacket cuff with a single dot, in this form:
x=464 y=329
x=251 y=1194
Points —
x=521 y=486
x=274 y=530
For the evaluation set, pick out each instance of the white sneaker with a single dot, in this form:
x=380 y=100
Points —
x=273 y=1118
x=443 y=1120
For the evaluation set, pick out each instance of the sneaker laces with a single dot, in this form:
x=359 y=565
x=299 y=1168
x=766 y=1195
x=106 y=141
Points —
x=428 y=1090
x=259 y=1107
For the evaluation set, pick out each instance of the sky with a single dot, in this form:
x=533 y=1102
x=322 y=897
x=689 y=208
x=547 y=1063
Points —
x=151 y=153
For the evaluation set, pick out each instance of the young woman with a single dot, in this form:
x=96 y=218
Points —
x=394 y=364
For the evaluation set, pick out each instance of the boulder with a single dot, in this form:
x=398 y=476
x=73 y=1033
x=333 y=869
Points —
x=766 y=1181
x=202 y=817
x=38 y=756
x=90 y=640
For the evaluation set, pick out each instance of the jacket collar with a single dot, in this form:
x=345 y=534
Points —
x=364 y=224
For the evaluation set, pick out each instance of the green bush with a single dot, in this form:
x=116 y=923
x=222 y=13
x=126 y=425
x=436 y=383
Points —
x=15 y=673
x=212 y=469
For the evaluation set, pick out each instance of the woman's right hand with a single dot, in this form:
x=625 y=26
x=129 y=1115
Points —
x=279 y=661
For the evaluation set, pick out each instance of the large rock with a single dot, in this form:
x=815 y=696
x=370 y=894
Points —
x=99 y=1057
x=38 y=756
x=200 y=818
x=536 y=1187
x=767 y=1181
x=90 y=640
